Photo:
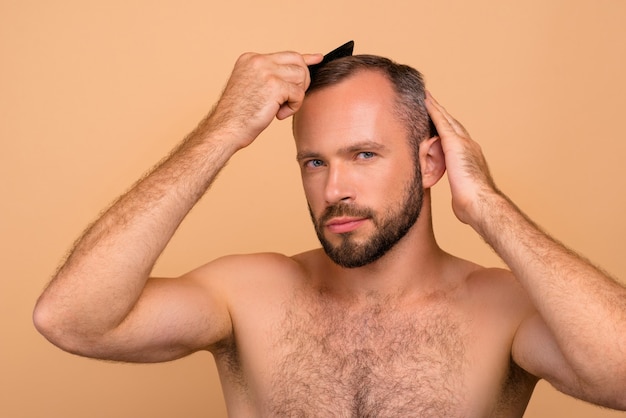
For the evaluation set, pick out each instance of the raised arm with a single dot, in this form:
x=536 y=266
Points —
x=101 y=303
x=577 y=339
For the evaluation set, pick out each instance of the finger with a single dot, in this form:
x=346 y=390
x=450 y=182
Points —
x=437 y=115
x=293 y=74
x=310 y=59
x=293 y=66
x=452 y=123
x=290 y=57
x=440 y=109
x=293 y=103
x=284 y=112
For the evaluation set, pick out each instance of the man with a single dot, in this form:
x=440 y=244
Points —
x=380 y=322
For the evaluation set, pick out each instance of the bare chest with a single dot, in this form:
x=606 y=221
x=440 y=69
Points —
x=370 y=362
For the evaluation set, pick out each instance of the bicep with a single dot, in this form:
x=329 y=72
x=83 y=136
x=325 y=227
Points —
x=173 y=317
x=535 y=350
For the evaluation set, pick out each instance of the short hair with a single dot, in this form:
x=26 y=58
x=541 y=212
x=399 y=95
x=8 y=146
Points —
x=407 y=82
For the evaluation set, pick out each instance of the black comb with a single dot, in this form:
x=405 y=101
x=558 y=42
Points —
x=344 y=50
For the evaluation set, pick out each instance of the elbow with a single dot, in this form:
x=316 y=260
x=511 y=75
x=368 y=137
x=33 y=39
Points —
x=47 y=322
x=43 y=318
x=59 y=328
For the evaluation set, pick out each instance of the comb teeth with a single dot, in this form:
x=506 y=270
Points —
x=344 y=50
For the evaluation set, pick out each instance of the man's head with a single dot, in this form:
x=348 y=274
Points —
x=407 y=83
x=358 y=135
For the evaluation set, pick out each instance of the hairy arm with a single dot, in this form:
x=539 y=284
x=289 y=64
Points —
x=577 y=339
x=102 y=303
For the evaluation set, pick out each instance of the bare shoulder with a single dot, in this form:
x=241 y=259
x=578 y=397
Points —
x=491 y=291
x=243 y=276
x=238 y=265
x=496 y=291
x=498 y=282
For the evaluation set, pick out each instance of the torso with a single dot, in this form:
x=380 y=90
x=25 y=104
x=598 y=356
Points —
x=299 y=352
x=371 y=362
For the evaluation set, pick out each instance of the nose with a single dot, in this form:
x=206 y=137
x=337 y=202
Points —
x=339 y=186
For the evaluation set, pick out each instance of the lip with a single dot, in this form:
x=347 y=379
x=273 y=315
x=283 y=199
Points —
x=344 y=224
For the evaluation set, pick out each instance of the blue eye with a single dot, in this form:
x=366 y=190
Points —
x=366 y=155
x=314 y=163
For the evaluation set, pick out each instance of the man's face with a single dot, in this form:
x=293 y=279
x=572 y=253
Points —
x=390 y=227
x=359 y=173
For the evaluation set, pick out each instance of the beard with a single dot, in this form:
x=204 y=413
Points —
x=391 y=227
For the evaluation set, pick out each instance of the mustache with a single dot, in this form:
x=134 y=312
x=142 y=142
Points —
x=343 y=209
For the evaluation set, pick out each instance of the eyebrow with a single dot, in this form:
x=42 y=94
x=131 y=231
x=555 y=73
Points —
x=357 y=146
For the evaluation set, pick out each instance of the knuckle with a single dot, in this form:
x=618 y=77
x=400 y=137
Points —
x=256 y=60
x=271 y=80
x=246 y=56
x=252 y=60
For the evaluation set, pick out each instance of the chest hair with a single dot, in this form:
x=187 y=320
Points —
x=376 y=361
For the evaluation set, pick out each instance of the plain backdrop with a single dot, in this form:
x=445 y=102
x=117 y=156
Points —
x=93 y=93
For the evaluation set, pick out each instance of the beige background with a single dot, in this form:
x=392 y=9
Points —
x=92 y=93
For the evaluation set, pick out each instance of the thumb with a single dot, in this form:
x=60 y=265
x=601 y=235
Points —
x=310 y=59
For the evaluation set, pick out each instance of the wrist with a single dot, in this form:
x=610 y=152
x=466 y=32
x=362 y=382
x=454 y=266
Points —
x=490 y=211
x=218 y=134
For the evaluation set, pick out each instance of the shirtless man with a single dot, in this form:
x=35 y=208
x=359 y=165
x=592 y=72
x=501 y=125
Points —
x=379 y=323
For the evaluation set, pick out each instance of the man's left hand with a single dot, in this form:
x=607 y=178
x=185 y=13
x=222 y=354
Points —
x=470 y=181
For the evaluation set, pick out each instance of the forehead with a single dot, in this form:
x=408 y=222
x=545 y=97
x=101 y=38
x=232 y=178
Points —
x=361 y=107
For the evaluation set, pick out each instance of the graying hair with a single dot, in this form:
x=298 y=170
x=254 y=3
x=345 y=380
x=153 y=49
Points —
x=407 y=82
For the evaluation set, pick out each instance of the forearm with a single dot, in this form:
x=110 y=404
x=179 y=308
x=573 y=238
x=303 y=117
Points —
x=584 y=308
x=577 y=339
x=105 y=273
x=95 y=294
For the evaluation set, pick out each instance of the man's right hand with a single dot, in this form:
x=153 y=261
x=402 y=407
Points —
x=260 y=88
x=102 y=302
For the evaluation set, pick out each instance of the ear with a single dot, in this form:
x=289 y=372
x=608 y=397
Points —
x=432 y=161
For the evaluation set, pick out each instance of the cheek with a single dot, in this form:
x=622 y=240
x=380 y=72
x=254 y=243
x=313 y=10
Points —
x=391 y=189
x=313 y=195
